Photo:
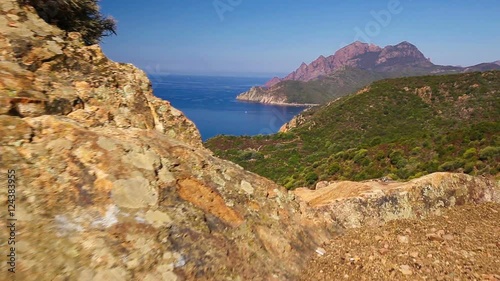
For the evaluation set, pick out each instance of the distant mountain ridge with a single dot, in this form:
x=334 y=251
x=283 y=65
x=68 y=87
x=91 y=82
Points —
x=368 y=60
x=357 y=54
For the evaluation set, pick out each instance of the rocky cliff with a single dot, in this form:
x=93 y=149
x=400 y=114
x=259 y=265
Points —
x=259 y=94
x=112 y=183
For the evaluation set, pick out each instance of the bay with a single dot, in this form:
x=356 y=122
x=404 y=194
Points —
x=210 y=102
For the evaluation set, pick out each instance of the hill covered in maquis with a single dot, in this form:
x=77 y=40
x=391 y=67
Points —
x=400 y=128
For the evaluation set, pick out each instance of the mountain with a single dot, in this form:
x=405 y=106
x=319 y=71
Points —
x=483 y=67
x=403 y=127
x=358 y=55
x=348 y=70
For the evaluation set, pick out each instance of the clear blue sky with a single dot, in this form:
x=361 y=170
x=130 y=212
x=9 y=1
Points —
x=276 y=36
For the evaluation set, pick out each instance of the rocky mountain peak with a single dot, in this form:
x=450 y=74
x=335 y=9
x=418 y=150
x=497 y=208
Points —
x=275 y=80
x=346 y=55
x=354 y=49
x=358 y=55
x=403 y=53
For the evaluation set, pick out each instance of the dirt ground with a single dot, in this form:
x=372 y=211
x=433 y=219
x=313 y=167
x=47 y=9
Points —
x=461 y=244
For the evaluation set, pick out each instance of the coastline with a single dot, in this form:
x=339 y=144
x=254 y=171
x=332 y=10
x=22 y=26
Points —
x=281 y=103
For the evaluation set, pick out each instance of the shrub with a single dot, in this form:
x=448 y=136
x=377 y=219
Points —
x=333 y=169
x=395 y=156
x=401 y=163
x=451 y=166
x=416 y=151
x=489 y=152
x=311 y=178
x=375 y=141
x=470 y=153
x=380 y=155
x=82 y=16
x=360 y=154
x=469 y=167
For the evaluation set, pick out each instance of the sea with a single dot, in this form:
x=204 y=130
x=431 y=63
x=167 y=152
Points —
x=210 y=102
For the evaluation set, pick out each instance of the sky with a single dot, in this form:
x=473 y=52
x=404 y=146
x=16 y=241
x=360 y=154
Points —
x=273 y=37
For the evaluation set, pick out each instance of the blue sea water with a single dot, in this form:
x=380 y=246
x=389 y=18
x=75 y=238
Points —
x=210 y=102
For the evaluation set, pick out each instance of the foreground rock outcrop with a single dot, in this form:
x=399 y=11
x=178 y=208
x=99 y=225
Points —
x=112 y=183
x=349 y=204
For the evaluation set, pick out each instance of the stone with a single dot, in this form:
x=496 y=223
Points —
x=434 y=237
x=247 y=187
x=320 y=251
x=157 y=218
x=134 y=193
x=448 y=237
x=320 y=184
x=403 y=239
x=115 y=274
x=406 y=269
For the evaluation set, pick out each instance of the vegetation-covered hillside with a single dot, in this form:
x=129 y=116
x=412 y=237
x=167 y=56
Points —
x=402 y=128
x=322 y=90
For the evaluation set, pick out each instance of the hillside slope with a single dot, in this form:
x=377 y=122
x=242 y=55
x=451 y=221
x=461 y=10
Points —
x=314 y=92
x=401 y=128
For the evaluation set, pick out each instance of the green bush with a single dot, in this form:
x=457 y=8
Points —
x=451 y=166
x=416 y=151
x=375 y=141
x=311 y=178
x=395 y=156
x=360 y=154
x=469 y=167
x=333 y=169
x=470 y=153
x=82 y=16
x=489 y=152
